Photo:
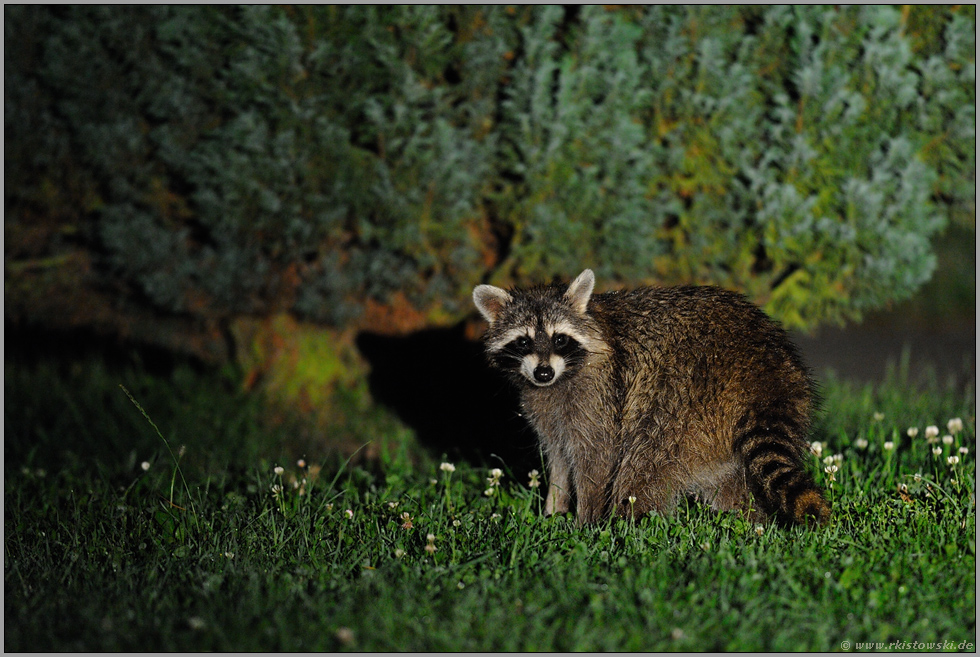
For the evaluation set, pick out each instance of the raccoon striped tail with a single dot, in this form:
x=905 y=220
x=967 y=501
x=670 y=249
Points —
x=776 y=475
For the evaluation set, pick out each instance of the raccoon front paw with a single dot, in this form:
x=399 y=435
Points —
x=557 y=501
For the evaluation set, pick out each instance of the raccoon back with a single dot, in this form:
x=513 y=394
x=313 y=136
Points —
x=708 y=363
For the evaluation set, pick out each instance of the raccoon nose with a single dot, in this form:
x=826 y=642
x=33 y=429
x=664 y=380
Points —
x=544 y=373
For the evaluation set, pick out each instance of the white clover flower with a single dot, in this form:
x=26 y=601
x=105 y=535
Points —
x=145 y=465
x=953 y=460
x=406 y=520
x=447 y=467
x=229 y=555
x=301 y=463
x=399 y=553
x=816 y=448
x=947 y=440
x=488 y=492
x=830 y=469
x=495 y=516
x=456 y=523
x=955 y=425
x=936 y=451
x=631 y=499
x=759 y=529
x=534 y=482
x=345 y=635
x=278 y=470
x=932 y=431
x=964 y=450
x=276 y=489
x=912 y=432
x=838 y=458
x=349 y=513
x=828 y=460
x=917 y=477
x=392 y=505
x=889 y=445
x=495 y=475
x=861 y=443
x=878 y=416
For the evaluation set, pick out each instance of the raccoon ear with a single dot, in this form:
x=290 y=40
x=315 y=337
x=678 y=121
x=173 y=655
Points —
x=490 y=301
x=580 y=291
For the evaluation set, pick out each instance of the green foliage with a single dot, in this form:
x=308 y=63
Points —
x=223 y=161
x=230 y=554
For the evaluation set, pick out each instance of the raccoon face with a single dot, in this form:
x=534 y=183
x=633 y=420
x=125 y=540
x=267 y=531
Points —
x=538 y=335
x=540 y=354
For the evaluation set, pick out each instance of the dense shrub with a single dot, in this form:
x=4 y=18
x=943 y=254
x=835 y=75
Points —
x=345 y=164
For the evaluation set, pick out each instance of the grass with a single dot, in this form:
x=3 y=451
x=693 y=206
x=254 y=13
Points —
x=227 y=542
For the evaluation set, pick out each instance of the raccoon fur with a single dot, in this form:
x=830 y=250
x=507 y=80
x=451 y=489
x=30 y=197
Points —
x=641 y=398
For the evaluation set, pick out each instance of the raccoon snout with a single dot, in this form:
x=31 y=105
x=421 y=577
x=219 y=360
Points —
x=544 y=373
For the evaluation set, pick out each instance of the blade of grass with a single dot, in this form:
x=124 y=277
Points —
x=175 y=457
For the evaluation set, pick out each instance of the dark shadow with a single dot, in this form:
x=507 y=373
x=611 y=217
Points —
x=439 y=384
x=27 y=345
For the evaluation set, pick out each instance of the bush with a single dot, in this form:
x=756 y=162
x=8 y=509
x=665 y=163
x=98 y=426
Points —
x=366 y=166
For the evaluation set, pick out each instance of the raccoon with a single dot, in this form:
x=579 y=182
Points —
x=641 y=398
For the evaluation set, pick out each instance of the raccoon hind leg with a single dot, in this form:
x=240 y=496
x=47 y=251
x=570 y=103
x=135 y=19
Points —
x=723 y=487
x=775 y=473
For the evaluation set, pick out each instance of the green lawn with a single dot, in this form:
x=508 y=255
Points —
x=226 y=553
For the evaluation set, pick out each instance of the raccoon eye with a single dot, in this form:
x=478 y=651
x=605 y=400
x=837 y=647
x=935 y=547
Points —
x=524 y=343
x=560 y=340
